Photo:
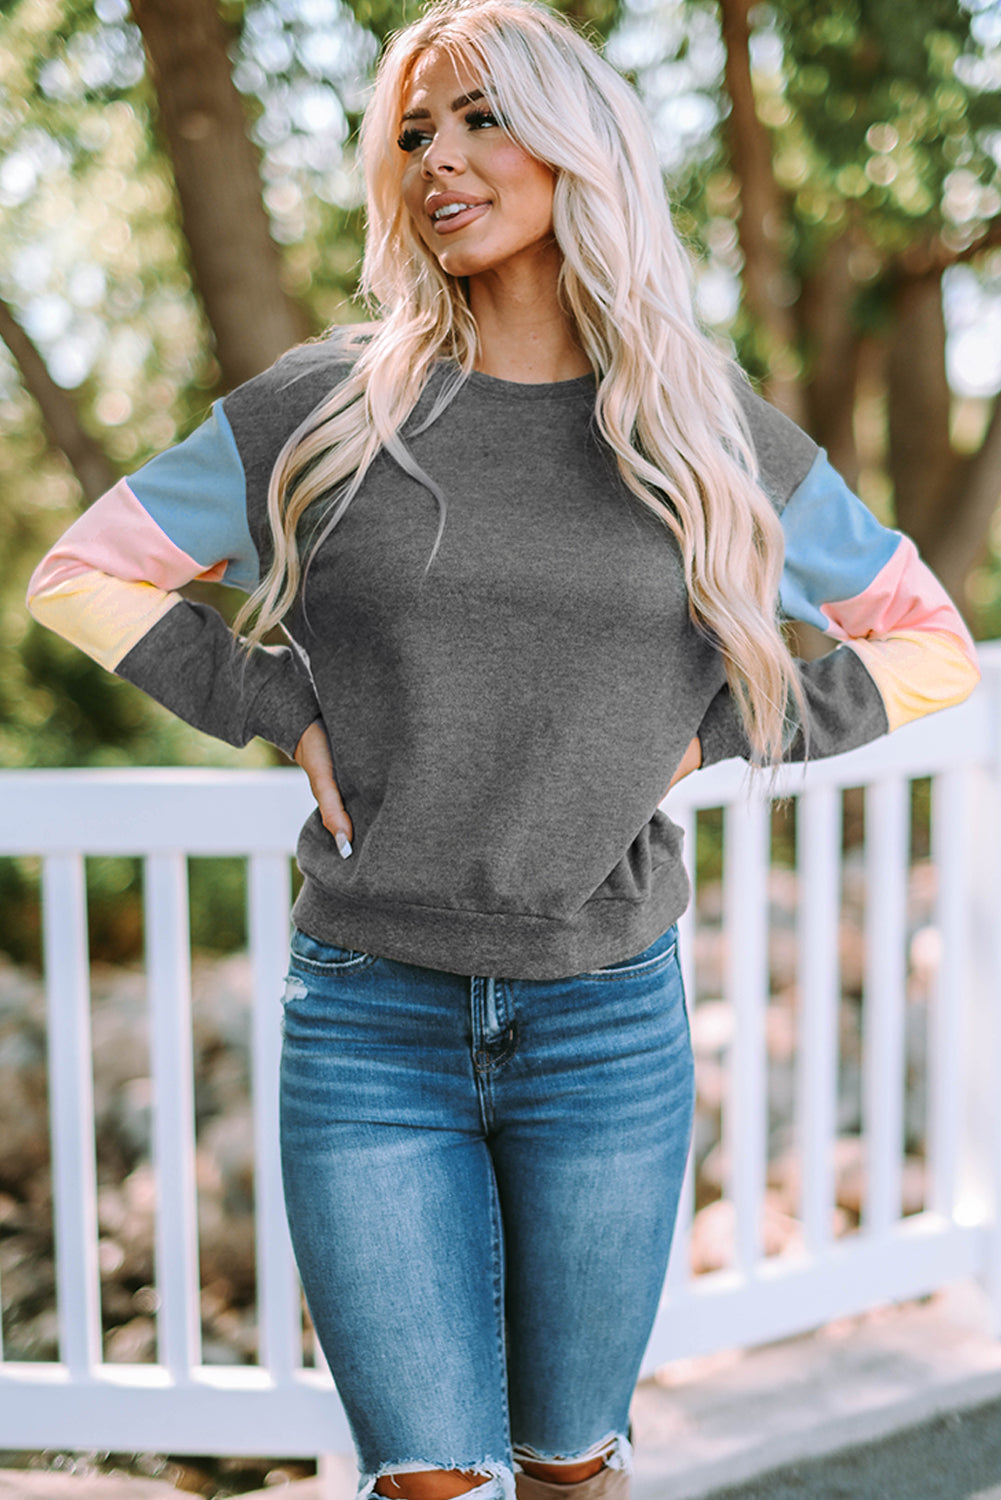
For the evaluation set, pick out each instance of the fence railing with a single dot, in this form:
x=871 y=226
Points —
x=181 y=1404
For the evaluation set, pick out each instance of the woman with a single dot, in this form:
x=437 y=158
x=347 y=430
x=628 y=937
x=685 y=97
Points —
x=528 y=533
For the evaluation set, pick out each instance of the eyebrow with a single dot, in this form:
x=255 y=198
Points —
x=460 y=103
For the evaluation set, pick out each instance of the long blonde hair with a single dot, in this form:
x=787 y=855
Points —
x=666 y=403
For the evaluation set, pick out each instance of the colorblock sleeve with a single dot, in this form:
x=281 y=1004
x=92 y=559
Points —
x=903 y=650
x=110 y=584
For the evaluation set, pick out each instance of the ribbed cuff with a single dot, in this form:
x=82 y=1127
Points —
x=721 y=732
x=284 y=711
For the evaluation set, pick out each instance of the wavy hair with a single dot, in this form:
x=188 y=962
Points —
x=666 y=401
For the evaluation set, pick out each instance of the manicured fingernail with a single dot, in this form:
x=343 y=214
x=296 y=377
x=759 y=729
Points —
x=343 y=844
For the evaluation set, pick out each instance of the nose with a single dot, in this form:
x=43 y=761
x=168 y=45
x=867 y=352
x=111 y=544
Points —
x=442 y=157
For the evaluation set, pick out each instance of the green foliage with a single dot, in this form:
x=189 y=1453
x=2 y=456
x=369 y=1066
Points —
x=885 y=119
x=383 y=17
x=890 y=113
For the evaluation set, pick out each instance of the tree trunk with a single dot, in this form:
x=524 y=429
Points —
x=946 y=503
x=963 y=519
x=234 y=261
x=834 y=349
x=766 y=275
x=921 y=460
x=86 y=457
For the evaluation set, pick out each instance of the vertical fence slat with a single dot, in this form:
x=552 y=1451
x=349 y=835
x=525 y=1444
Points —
x=71 y=1106
x=686 y=922
x=887 y=840
x=950 y=852
x=818 y=836
x=279 y=1310
x=169 y=970
x=746 y=856
x=989 y=1028
x=978 y=1188
x=678 y=1271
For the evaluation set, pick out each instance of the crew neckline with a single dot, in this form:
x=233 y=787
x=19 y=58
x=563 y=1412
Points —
x=545 y=390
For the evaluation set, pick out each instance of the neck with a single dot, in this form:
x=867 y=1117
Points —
x=524 y=334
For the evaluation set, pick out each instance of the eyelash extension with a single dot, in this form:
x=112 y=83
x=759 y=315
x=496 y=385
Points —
x=410 y=139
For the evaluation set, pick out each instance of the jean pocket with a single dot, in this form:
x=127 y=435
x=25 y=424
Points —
x=326 y=958
x=660 y=952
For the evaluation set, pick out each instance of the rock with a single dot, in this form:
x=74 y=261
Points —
x=134 y=1343
x=129 y=1113
x=712 y=1026
x=27 y=1276
x=228 y=1248
x=24 y=1110
x=220 y=994
x=851 y=956
x=21 y=994
x=119 y=1030
x=229 y=1142
x=135 y=1232
x=111 y=1209
x=783 y=957
x=850 y=1173
x=713 y=1237
x=783 y=896
x=913 y=1184
x=33 y=1338
x=31 y=1484
x=922 y=891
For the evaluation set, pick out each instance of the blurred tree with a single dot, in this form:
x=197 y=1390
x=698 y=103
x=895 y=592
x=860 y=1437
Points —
x=88 y=459
x=181 y=202
x=235 y=263
x=859 y=161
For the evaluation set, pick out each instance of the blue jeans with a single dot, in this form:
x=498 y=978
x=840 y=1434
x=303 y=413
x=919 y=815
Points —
x=481 y=1178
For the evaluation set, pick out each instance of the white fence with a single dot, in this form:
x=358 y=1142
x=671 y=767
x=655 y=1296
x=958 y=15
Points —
x=276 y=1406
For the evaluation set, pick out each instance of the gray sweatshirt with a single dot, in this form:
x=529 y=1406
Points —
x=504 y=723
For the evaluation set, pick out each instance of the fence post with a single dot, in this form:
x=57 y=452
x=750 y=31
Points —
x=337 y=1475
x=978 y=1187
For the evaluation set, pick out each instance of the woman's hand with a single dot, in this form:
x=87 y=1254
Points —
x=690 y=761
x=313 y=754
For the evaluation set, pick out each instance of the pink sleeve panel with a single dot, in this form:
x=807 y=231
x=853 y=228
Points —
x=117 y=536
x=111 y=577
x=910 y=636
x=904 y=595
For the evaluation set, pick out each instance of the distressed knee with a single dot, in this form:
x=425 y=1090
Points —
x=603 y=1464
x=429 y=1484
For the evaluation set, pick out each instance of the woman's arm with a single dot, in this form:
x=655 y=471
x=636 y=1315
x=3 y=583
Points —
x=110 y=585
x=903 y=649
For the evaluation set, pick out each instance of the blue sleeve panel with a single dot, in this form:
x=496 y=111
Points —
x=196 y=492
x=834 y=546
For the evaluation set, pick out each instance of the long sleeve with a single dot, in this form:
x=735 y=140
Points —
x=109 y=586
x=903 y=649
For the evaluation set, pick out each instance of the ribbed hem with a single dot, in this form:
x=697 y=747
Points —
x=510 y=945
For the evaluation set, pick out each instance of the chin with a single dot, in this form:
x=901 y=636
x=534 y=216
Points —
x=459 y=261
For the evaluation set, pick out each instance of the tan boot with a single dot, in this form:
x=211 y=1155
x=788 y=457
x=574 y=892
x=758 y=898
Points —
x=607 y=1484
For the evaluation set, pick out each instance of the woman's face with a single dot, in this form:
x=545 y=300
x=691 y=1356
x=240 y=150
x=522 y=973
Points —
x=479 y=202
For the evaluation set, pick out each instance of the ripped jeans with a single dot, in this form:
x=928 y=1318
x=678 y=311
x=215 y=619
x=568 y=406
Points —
x=481 y=1178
